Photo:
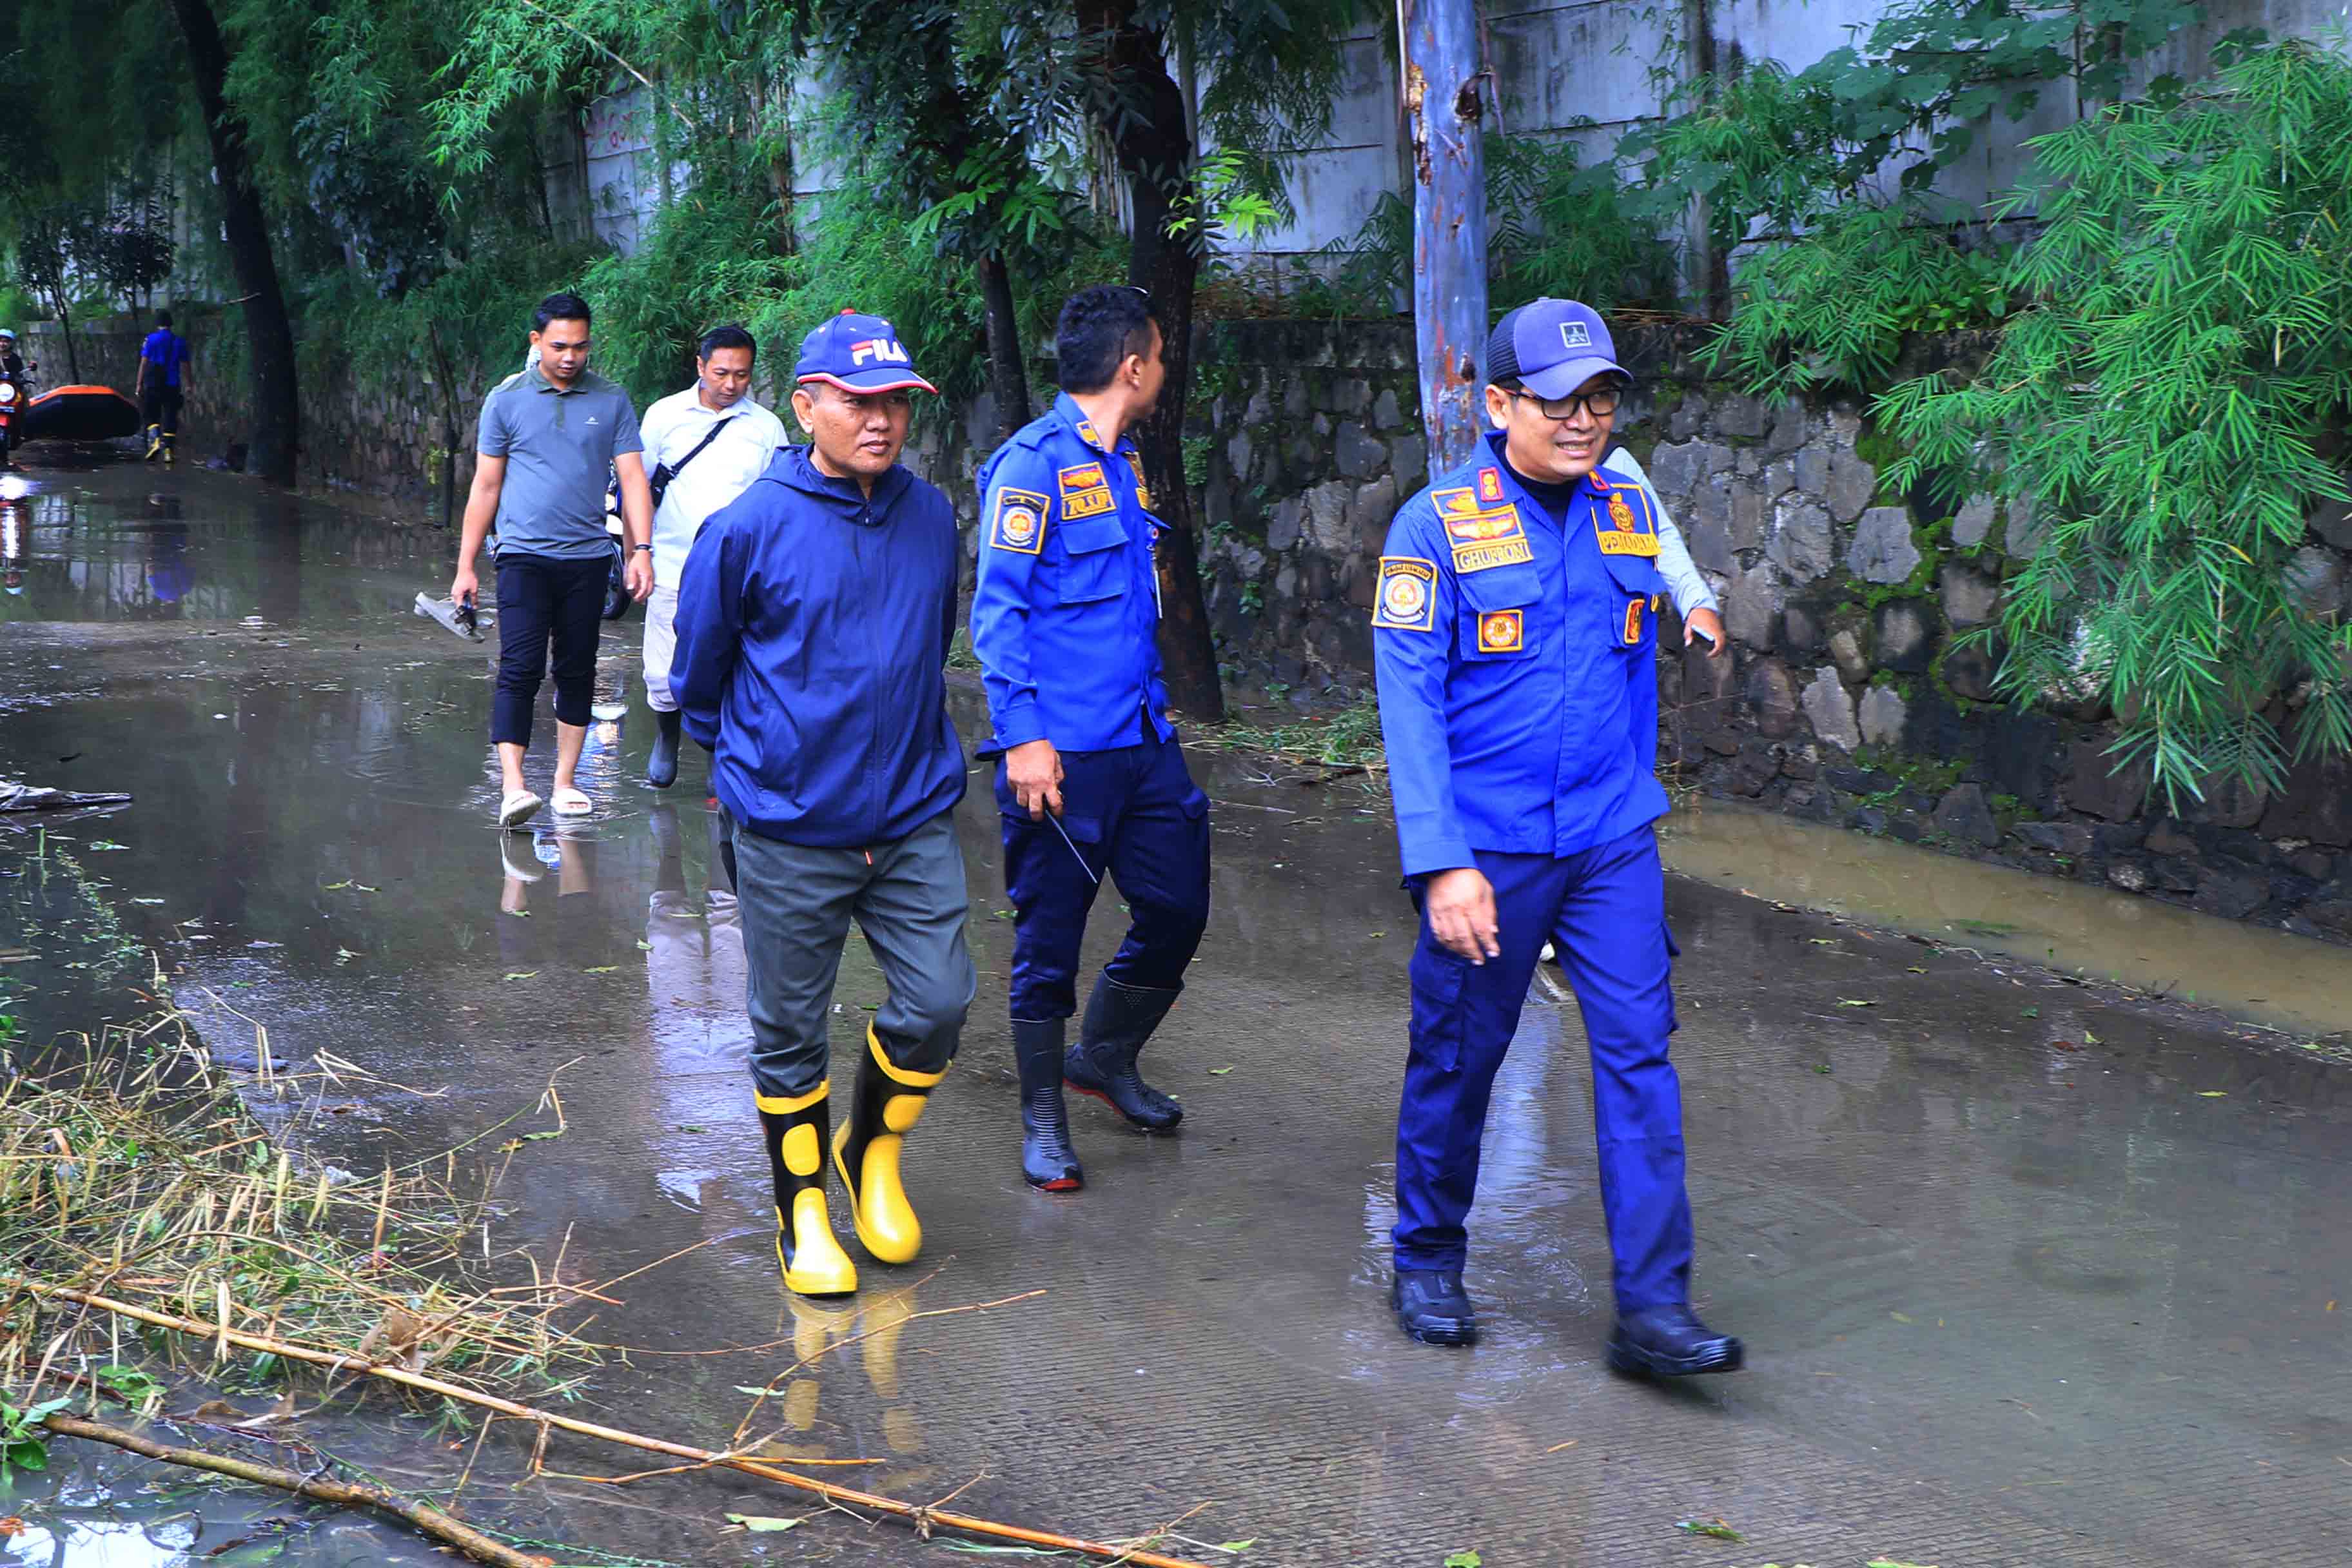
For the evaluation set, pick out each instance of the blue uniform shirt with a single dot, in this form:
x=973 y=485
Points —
x=1066 y=612
x=1516 y=661
x=167 y=351
x=813 y=633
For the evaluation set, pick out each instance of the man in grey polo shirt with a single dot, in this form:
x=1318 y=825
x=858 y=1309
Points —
x=549 y=436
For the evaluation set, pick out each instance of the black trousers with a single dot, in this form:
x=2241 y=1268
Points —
x=163 y=407
x=544 y=599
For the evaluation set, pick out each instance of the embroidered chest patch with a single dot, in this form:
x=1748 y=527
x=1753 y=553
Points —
x=1500 y=631
x=1018 y=522
x=1406 y=597
x=1085 y=491
x=1629 y=531
x=1484 y=539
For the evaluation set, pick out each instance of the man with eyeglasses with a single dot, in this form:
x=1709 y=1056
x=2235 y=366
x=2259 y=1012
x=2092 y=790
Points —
x=1515 y=636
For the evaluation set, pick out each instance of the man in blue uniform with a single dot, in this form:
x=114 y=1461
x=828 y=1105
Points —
x=1516 y=641
x=813 y=620
x=1064 y=619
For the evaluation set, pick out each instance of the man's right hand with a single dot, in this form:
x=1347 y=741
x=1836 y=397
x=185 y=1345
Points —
x=1460 y=908
x=1034 y=769
x=464 y=586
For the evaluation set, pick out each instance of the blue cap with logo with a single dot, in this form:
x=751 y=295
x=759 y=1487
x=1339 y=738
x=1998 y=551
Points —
x=1551 y=347
x=858 y=353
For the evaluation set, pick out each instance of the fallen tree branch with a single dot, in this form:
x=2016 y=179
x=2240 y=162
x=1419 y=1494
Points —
x=337 y=1361
x=423 y=1517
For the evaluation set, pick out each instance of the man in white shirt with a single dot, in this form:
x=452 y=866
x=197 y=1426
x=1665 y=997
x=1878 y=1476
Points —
x=703 y=447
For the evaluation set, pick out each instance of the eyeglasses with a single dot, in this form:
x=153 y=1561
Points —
x=1600 y=405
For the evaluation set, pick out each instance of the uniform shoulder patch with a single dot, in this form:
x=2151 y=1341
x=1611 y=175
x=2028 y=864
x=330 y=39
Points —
x=1405 y=599
x=1018 y=520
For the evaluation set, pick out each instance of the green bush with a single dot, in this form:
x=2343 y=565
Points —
x=2168 y=400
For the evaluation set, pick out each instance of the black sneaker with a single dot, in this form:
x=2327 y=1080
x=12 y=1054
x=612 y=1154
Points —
x=1432 y=1307
x=1670 y=1342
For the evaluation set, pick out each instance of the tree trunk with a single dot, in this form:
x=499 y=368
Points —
x=1442 y=73
x=65 y=331
x=1143 y=114
x=1008 y=378
x=268 y=331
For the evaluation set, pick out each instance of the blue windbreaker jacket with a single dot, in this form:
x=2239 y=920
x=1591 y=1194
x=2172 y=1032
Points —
x=812 y=632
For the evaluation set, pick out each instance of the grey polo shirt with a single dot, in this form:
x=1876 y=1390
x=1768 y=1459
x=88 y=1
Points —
x=558 y=447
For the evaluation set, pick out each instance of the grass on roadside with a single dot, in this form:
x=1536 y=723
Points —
x=1349 y=738
x=130 y=1168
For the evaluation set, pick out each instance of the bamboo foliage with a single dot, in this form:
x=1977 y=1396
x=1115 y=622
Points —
x=2168 y=405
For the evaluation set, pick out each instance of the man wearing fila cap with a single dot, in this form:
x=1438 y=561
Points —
x=1515 y=636
x=813 y=620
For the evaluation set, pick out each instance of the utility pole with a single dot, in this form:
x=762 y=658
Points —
x=1443 y=109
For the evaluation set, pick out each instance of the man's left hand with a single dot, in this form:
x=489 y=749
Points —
x=638 y=575
x=1707 y=625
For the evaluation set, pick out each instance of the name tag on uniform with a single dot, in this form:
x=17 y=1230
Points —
x=1406 y=598
x=1627 y=533
x=1484 y=539
x=1086 y=493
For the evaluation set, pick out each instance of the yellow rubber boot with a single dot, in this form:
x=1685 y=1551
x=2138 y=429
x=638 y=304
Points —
x=813 y=1262
x=888 y=1101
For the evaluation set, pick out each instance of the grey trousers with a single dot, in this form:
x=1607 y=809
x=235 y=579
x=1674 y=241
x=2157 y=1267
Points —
x=796 y=904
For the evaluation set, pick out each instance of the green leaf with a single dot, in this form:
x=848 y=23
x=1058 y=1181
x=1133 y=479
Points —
x=1463 y=1559
x=522 y=973
x=1237 y=1545
x=1714 y=1528
x=762 y=1524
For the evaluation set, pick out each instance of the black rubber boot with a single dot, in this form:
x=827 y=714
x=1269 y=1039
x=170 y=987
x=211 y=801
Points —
x=1432 y=1307
x=661 y=767
x=1048 y=1160
x=1670 y=1342
x=1119 y=1019
x=812 y=1259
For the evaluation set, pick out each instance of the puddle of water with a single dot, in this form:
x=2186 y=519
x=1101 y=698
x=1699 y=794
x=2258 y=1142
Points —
x=2270 y=977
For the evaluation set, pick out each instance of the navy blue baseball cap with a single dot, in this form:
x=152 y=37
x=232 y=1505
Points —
x=1551 y=347
x=858 y=353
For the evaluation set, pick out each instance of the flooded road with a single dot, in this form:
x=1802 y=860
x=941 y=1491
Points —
x=2031 y=1270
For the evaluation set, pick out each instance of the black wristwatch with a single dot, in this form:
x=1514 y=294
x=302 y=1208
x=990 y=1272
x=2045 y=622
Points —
x=641 y=547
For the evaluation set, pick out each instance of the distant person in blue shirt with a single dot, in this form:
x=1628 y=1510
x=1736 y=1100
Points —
x=813 y=624
x=1065 y=619
x=163 y=371
x=1515 y=635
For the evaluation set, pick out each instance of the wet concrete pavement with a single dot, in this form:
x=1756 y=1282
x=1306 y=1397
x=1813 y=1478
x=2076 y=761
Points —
x=2031 y=1272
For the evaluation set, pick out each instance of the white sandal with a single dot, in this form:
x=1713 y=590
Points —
x=571 y=803
x=517 y=808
